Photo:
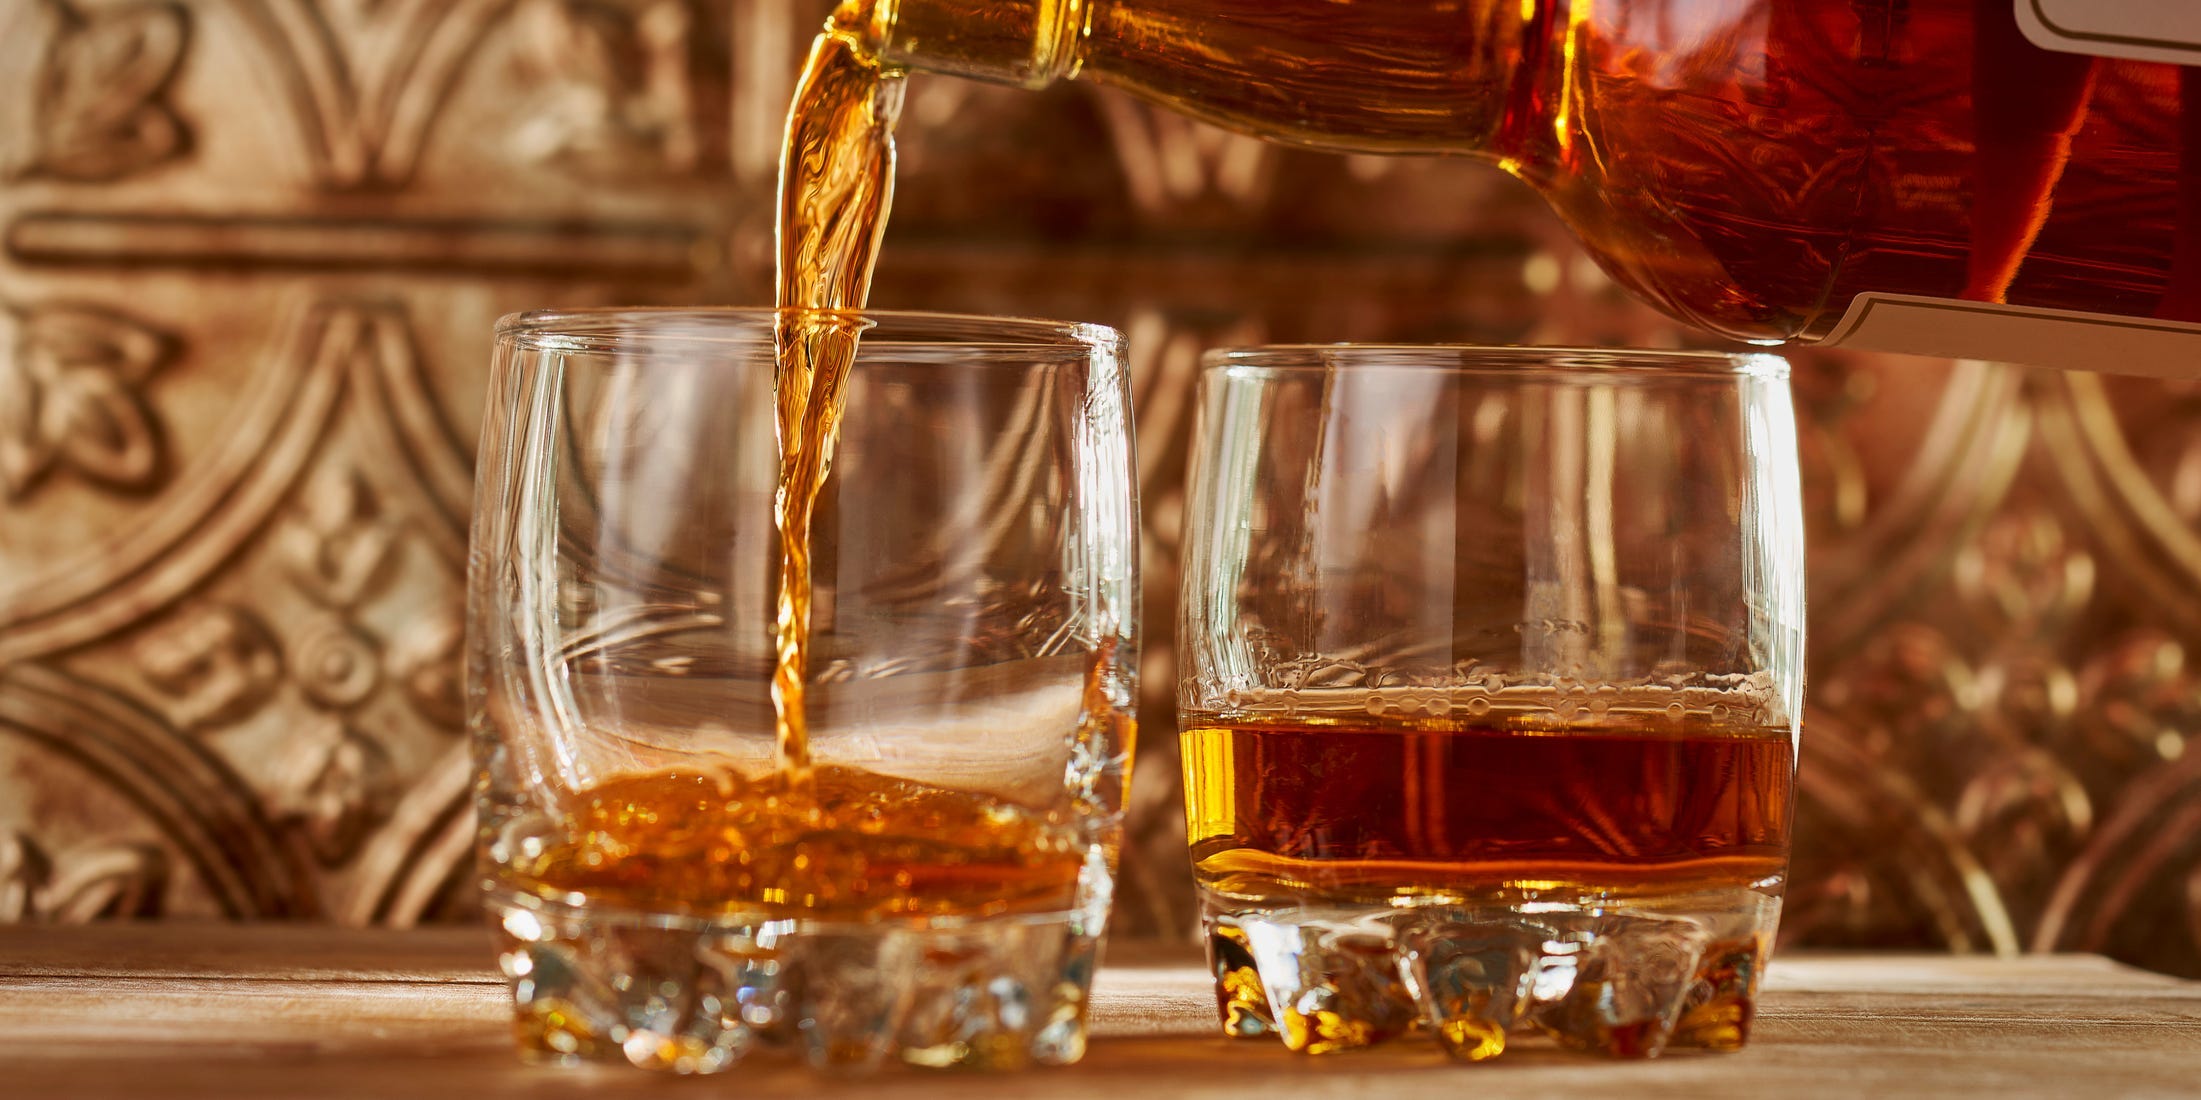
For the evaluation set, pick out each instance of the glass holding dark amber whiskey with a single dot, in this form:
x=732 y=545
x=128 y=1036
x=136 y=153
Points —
x=1491 y=682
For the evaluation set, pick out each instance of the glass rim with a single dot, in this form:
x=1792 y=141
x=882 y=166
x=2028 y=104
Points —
x=1499 y=360
x=897 y=325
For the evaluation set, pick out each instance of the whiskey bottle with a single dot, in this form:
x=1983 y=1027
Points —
x=1947 y=177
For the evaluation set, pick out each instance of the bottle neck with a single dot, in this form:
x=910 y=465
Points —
x=1375 y=77
x=1028 y=43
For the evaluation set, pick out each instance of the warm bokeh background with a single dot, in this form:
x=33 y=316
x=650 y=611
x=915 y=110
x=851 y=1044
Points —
x=250 y=251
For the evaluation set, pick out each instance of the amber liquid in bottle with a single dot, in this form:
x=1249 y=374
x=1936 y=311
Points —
x=1749 y=166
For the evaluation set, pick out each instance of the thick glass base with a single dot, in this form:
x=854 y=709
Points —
x=1628 y=980
x=690 y=995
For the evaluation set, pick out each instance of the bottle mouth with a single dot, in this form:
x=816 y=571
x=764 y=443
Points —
x=1059 y=50
x=865 y=23
x=1027 y=43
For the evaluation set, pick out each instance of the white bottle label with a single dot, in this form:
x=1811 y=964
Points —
x=2061 y=338
x=2143 y=30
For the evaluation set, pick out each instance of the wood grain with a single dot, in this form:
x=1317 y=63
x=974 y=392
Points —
x=244 y=1011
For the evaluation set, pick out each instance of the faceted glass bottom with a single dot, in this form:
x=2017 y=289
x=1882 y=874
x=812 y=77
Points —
x=692 y=995
x=1627 y=981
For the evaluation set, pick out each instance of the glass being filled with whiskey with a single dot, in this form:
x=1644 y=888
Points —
x=848 y=789
x=1492 y=668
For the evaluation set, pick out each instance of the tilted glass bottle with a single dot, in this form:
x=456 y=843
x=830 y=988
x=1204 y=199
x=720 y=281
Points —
x=1915 y=175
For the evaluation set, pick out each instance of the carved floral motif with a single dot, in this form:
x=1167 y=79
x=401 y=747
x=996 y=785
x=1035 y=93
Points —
x=366 y=80
x=71 y=397
x=614 y=93
x=79 y=884
x=334 y=785
x=96 y=106
x=217 y=664
x=425 y=662
x=336 y=543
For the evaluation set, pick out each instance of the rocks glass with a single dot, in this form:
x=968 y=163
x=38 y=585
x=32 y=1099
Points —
x=1492 y=669
x=933 y=887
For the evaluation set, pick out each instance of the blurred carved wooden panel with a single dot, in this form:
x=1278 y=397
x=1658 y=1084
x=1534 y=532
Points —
x=250 y=251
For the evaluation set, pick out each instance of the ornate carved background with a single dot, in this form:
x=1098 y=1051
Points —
x=250 y=251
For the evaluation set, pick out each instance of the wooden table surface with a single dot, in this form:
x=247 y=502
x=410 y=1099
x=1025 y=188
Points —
x=229 y=1011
